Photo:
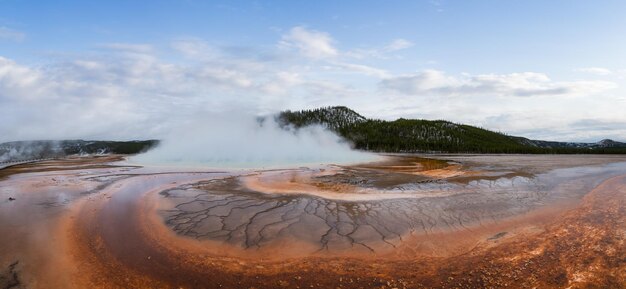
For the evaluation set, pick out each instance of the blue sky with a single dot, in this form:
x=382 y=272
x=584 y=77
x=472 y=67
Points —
x=541 y=69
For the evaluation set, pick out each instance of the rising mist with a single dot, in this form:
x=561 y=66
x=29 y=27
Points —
x=235 y=140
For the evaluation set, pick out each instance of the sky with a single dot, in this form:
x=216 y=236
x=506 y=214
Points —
x=553 y=70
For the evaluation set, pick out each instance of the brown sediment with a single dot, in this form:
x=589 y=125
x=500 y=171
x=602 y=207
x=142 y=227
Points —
x=117 y=238
x=69 y=163
x=419 y=166
x=38 y=195
x=304 y=182
x=355 y=182
x=585 y=247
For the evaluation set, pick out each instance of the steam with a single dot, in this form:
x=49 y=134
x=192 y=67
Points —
x=247 y=141
x=27 y=150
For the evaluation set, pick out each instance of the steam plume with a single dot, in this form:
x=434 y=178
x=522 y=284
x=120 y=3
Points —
x=235 y=140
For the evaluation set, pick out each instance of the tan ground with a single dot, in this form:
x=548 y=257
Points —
x=114 y=237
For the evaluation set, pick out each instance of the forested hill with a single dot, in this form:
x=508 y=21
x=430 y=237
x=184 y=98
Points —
x=417 y=135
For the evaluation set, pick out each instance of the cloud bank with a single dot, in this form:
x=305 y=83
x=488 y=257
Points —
x=124 y=91
x=526 y=84
x=310 y=43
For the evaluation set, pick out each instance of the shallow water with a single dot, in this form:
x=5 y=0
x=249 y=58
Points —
x=225 y=210
x=102 y=211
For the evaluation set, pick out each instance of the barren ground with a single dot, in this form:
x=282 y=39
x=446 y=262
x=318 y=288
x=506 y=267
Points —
x=452 y=221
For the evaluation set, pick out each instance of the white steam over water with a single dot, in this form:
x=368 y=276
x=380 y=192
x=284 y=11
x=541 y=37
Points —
x=246 y=142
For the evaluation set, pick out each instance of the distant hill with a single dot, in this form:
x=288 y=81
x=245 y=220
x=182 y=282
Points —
x=401 y=135
x=26 y=150
x=417 y=135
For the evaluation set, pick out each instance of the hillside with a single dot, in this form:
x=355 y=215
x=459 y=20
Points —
x=416 y=135
x=401 y=135
x=25 y=150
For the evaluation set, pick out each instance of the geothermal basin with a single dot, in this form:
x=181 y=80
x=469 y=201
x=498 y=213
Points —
x=404 y=221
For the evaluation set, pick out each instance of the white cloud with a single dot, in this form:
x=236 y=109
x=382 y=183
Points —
x=126 y=91
x=323 y=88
x=11 y=34
x=281 y=83
x=195 y=48
x=18 y=82
x=525 y=84
x=128 y=47
x=122 y=90
x=310 y=43
x=595 y=70
x=360 y=68
x=381 y=52
x=398 y=44
x=48 y=102
x=224 y=77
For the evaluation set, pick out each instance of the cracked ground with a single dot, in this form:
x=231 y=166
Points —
x=225 y=210
x=453 y=222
